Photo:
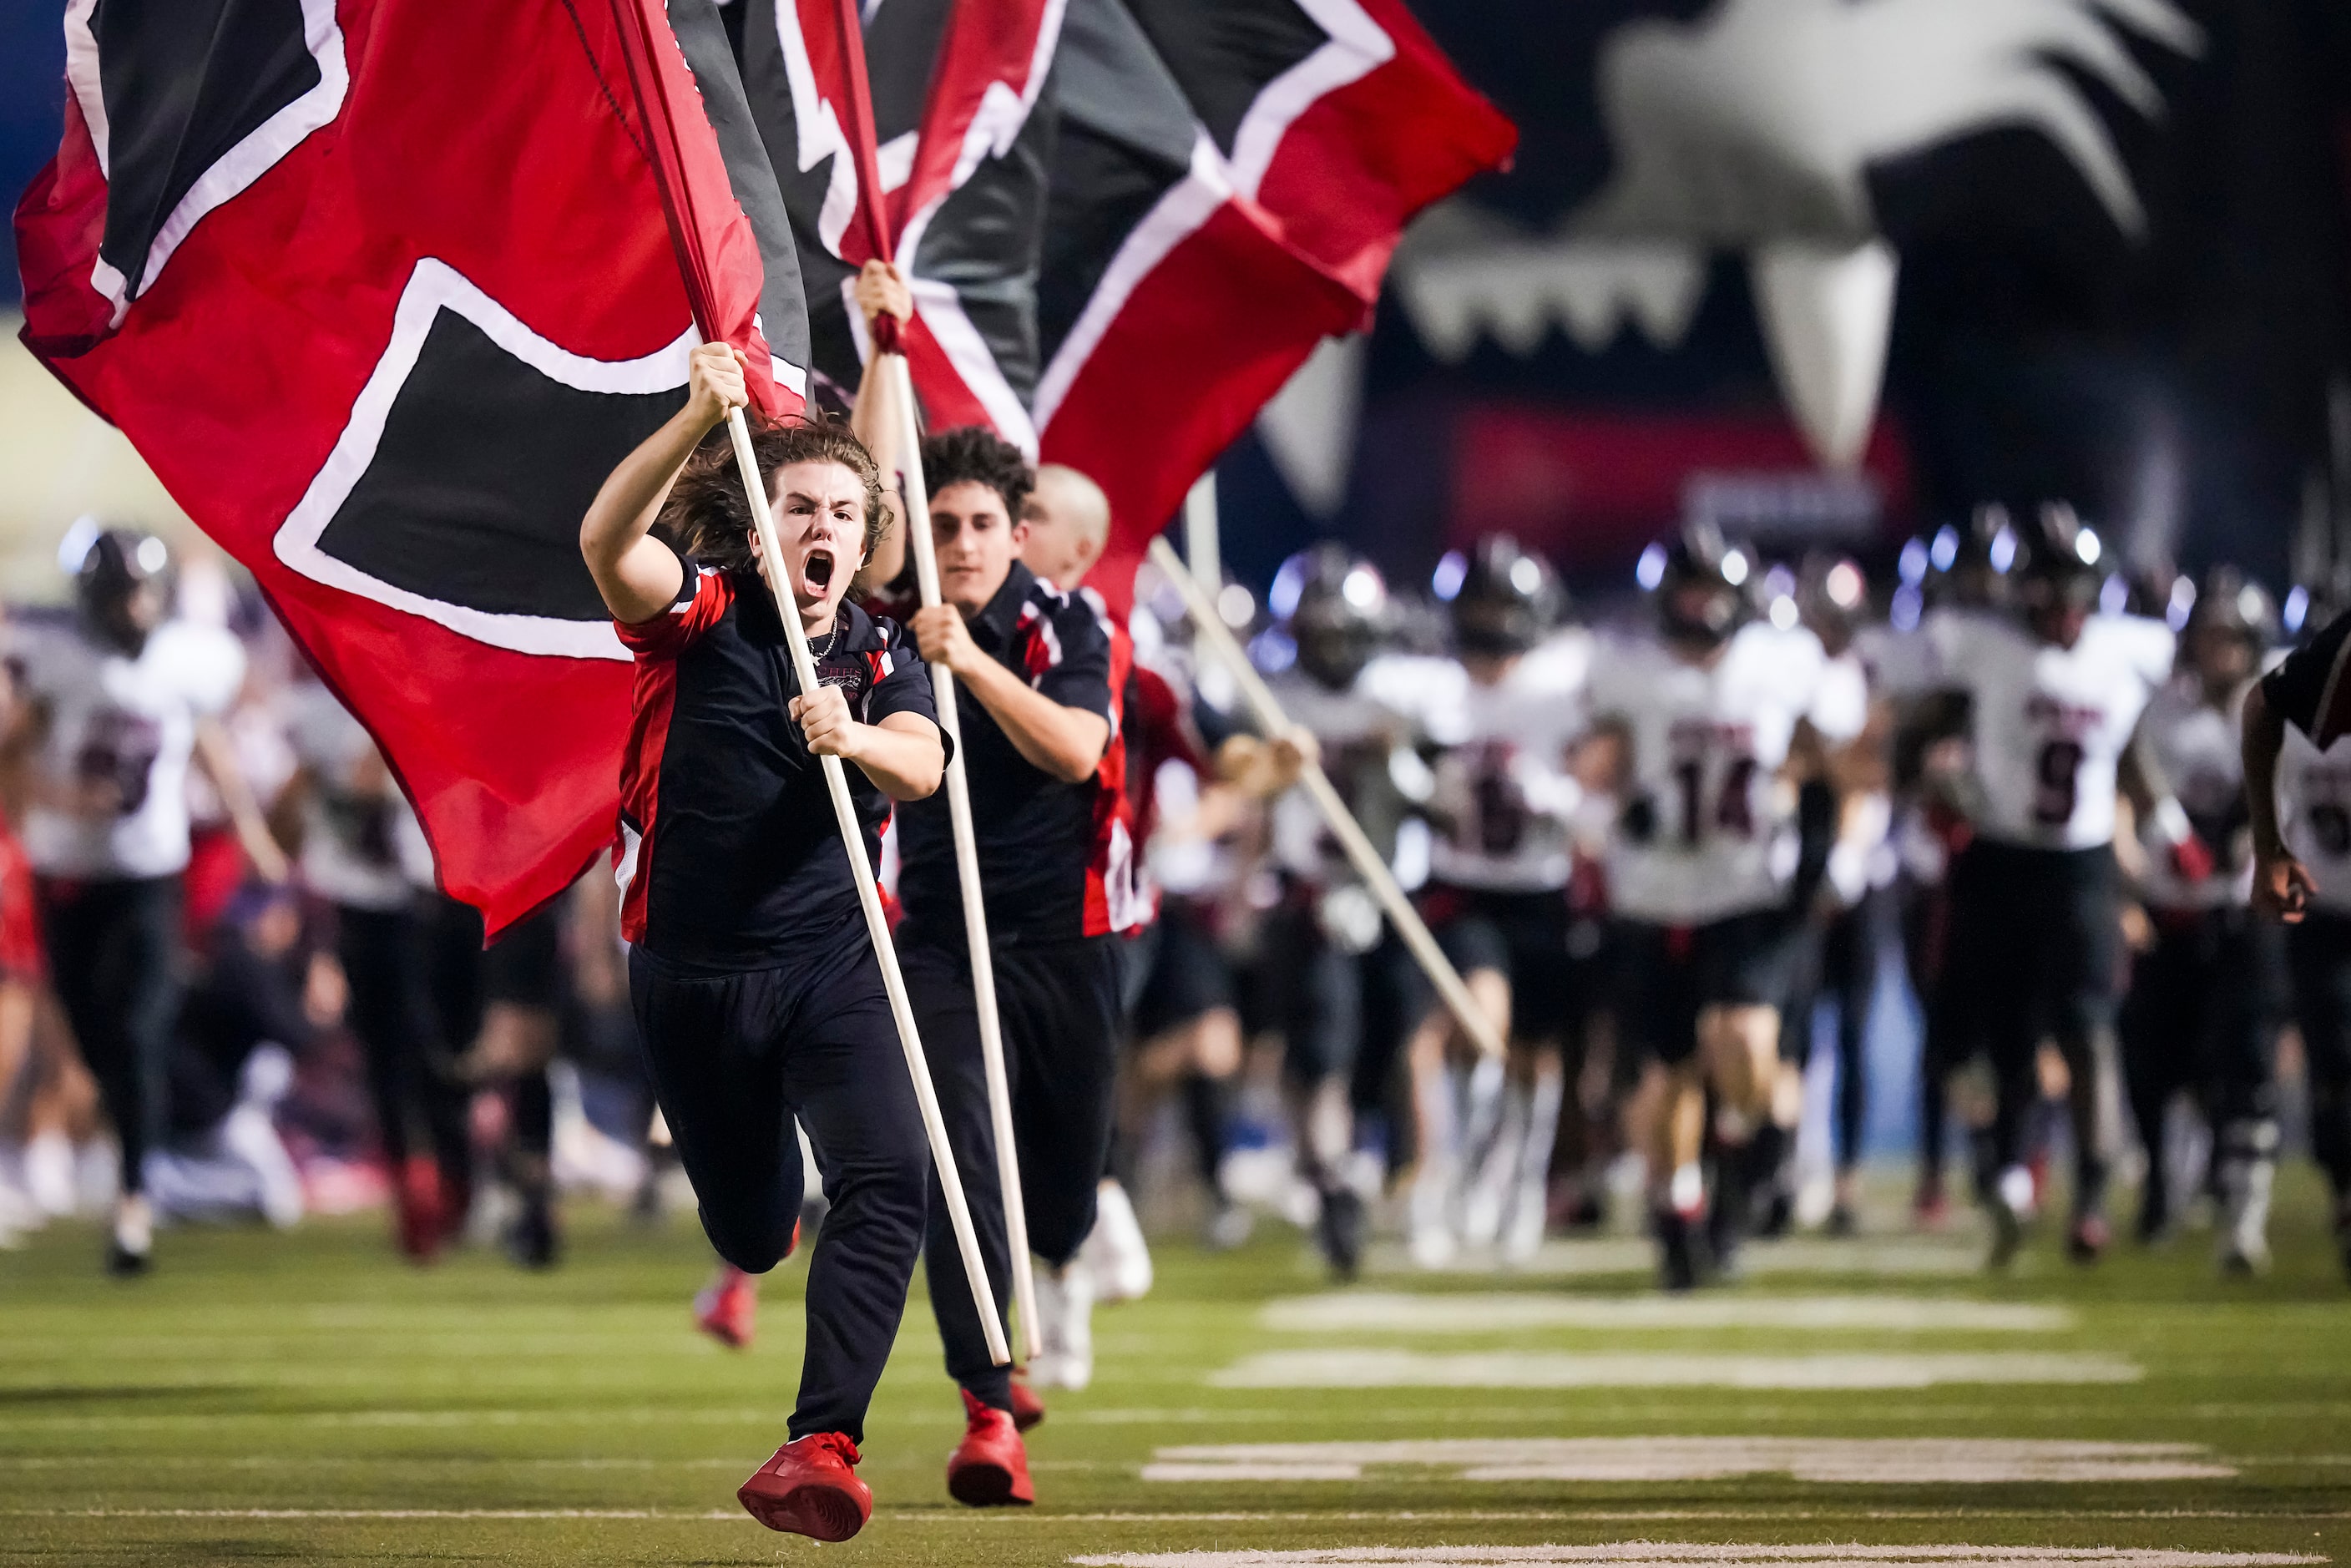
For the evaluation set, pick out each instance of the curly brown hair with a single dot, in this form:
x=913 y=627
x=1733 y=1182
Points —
x=708 y=517
x=976 y=454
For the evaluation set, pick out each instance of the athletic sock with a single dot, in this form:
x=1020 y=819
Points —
x=1207 y=1112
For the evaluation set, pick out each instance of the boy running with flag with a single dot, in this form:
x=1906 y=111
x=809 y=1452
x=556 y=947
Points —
x=755 y=989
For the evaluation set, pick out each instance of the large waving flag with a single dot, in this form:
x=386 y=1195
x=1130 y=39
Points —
x=1128 y=222
x=957 y=171
x=1228 y=181
x=382 y=290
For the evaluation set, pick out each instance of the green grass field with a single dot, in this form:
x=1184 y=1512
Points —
x=306 y=1399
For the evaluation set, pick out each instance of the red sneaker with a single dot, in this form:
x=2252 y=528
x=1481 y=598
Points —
x=416 y=1197
x=810 y=1489
x=1027 y=1408
x=989 y=1469
x=728 y=1308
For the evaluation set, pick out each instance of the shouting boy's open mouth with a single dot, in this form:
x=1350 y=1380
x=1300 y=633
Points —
x=817 y=570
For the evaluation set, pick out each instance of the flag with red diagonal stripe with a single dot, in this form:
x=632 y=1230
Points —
x=381 y=294
x=1119 y=267
x=1229 y=178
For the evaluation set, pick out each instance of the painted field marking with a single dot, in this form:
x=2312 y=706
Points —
x=1502 y=1312
x=1664 y=1554
x=1633 y=1255
x=1890 y=1462
x=1366 y=1368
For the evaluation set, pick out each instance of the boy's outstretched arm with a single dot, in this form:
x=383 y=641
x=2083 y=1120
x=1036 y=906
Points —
x=639 y=577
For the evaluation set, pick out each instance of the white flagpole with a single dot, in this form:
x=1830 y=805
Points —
x=900 y=389
x=1210 y=628
x=869 y=897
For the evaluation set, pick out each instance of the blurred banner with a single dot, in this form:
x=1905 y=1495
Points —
x=1843 y=267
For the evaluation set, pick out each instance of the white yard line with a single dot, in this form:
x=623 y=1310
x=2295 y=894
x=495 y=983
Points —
x=1500 y=1311
x=1661 y=1554
x=1887 y=1462
x=1633 y=1255
x=1369 y=1368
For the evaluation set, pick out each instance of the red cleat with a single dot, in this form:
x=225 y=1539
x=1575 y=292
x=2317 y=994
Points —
x=1027 y=1408
x=989 y=1469
x=810 y=1489
x=728 y=1308
x=416 y=1199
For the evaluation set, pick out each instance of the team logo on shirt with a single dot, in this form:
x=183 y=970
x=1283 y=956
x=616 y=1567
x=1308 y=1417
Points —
x=457 y=489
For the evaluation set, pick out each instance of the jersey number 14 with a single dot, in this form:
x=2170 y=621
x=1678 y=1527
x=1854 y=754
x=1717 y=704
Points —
x=1734 y=808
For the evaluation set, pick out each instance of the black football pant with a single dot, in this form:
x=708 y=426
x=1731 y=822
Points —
x=114 y=952
x=1950 y=1035
x=1059 y=1005
x=1842 y=968
x=2201 y=1019
x=735 y=1057
x=1344 y=1015
x=384 y=961
x=2318 y=961
x=2038 y=931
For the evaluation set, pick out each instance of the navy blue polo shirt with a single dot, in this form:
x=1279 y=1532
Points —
x=731 y=857
x=1056 y=859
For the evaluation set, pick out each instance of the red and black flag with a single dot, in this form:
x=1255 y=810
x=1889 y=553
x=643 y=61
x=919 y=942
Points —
x=1118 y=266
x=1228 y=179
x=382 y=290
x=957 y=156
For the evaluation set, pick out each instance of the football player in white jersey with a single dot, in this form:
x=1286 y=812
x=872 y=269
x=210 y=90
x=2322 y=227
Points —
x=2205 y=998
x=1852 y=818
x=2298 y=794
x=1960 y=573
x=114 y=711
x=1709 y=712
x=363 y=851
x=2055 y=694
x=1346 y=992
x=1504 y=812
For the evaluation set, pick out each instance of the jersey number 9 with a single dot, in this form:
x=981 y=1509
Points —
x=2055 y=790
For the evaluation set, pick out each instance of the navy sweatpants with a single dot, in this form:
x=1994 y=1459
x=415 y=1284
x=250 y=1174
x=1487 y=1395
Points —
x=1059 y=1003
x=734 y=1058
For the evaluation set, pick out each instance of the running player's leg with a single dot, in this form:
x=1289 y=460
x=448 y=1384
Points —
x=1660 y=1012
x=2241 y=1084
x=1749 y=969
x=1325 y=1026
x=1188 y=1031
x=846 y=1080
x=1444 y=1129
x=2318 y=953
x=939 y=985
x=2161 y=1028
x=1850 y=973
x=1542 y=1015
x=712 y=1049
x=1998 y=936
x=126 y=1020
x=369 y=943
x=1062 y=1018
x=1927 y=951
x=2083 y=955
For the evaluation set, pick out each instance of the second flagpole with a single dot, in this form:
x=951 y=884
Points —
x=898 y=387
x=869 y=897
